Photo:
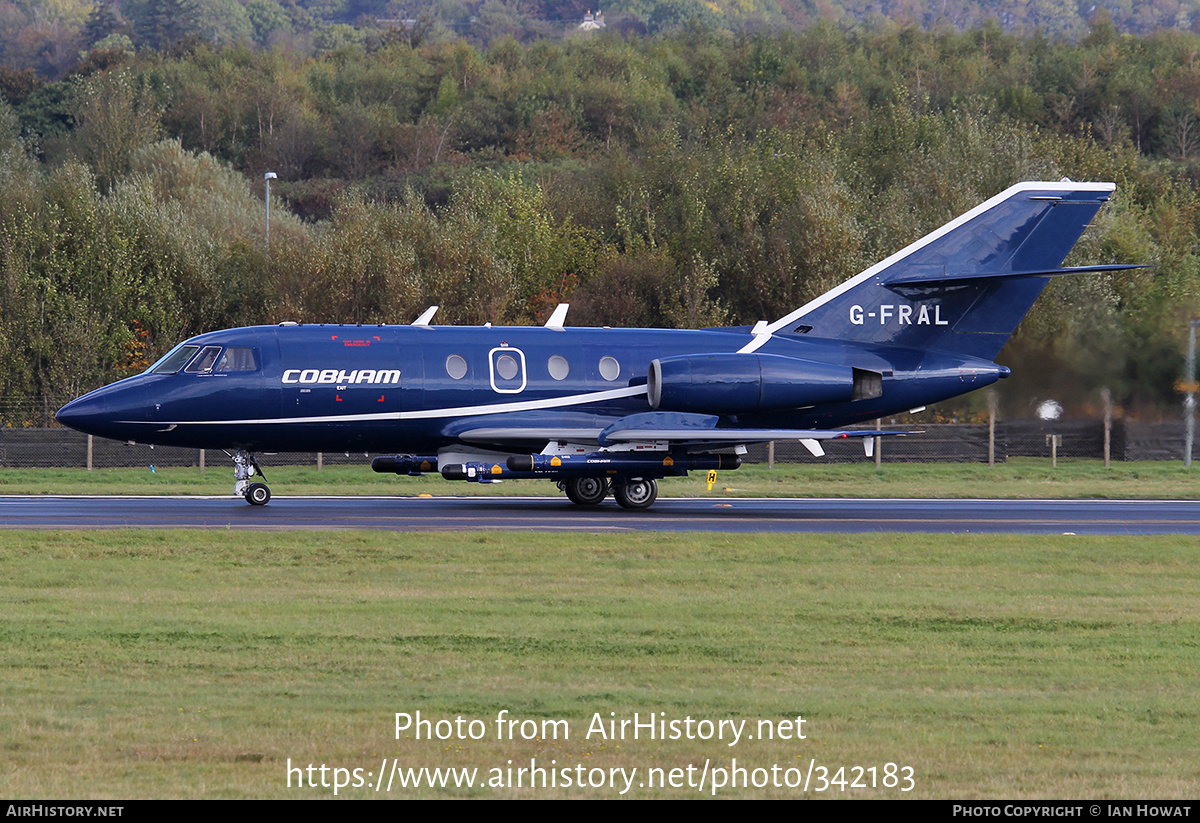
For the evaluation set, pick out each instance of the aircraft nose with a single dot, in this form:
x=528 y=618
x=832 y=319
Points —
x=113 y=411
x=85 y=413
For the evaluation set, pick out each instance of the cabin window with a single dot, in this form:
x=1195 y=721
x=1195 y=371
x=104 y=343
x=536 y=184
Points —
x=506 y=366
x=610 y=369
x=173 y=360
x=559 y=367
x=237 y=359
x=203 y=364
x=456 y=366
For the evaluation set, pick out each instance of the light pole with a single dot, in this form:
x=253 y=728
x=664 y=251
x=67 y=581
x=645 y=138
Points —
x=267 y=178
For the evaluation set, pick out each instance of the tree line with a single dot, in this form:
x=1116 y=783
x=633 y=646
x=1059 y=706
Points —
x=48 y=35
x=688 y=179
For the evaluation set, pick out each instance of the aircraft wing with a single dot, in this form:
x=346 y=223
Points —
x=688 y=430
x=713 y=438
x=500 y=436
x=680 y=436
x=728 y=436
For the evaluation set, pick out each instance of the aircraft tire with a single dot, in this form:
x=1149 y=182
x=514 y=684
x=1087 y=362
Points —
x=636 y=494
x=257 y=494
x=587 y=491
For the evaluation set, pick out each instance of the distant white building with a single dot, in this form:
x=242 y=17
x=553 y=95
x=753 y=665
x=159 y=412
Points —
x=592 y=22
x=406 y=24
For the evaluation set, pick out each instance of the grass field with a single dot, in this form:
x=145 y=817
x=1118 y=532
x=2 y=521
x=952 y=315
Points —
x=197 y=664
x=1018 y=478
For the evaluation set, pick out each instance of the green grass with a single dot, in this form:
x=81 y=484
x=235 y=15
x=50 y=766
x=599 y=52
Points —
x=195 y=664
x=1019 y=478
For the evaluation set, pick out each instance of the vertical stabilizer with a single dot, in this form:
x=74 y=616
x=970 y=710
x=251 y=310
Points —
x=964 y=287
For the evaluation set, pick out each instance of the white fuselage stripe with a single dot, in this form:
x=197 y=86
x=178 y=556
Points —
x=426 y=414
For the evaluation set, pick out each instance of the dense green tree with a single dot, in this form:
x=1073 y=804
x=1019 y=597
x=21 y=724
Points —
x=693 y=178
x=116 y=116
x=160 y=23
x=104 y=21
x=269 y=20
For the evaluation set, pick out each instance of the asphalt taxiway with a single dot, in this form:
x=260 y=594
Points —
x=1113 y=517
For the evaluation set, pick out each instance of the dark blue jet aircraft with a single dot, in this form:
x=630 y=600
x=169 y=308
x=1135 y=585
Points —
x=613 y=410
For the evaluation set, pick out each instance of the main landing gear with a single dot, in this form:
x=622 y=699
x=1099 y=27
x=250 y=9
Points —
x=636 y=494
x=586 y=491
x=631 y=494
x=245 y=467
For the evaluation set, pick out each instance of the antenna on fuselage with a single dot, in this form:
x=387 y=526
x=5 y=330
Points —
x=558 y=317
x=426 y=316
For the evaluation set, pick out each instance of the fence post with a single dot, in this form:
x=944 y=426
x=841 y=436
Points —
x=1106 y=399
x=1054 y=441
x=878 y=444
x=320 y=460
x=89 y=457
x=1189 y=402
x=991 y=401
x=771 y=455
x=202 y=461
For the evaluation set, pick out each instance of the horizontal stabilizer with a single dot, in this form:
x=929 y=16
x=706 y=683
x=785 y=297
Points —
x=923 y=279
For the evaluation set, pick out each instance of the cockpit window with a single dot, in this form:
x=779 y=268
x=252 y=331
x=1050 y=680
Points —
x=173 y=361
x=236 y=359
x=203 y=364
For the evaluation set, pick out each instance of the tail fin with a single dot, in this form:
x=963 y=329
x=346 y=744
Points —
x=965 y=287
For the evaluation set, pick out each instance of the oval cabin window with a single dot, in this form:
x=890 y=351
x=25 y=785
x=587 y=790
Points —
x=559 y=368
x=610 y=369
x=456 y=366
x=506 y=366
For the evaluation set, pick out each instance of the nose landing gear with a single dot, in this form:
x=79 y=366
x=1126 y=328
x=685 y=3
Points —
x=245 y=467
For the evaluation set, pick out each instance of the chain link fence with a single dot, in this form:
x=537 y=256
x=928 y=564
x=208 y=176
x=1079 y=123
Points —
x=30 y=412
x=935 y=443
x=975 y=442
x=30 y=438
x=64 y=448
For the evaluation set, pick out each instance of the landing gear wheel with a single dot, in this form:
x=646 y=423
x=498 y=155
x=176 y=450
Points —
x=636 y=494
x=257 y=494
x=245 y=467
x=587 y=491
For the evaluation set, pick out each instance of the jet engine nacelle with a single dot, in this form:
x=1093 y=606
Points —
x=738 y=383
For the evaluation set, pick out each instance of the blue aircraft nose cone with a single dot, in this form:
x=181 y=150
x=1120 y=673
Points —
x=113 y=411
x=84 y=414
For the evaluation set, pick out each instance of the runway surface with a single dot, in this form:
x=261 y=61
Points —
x=1114 y=517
